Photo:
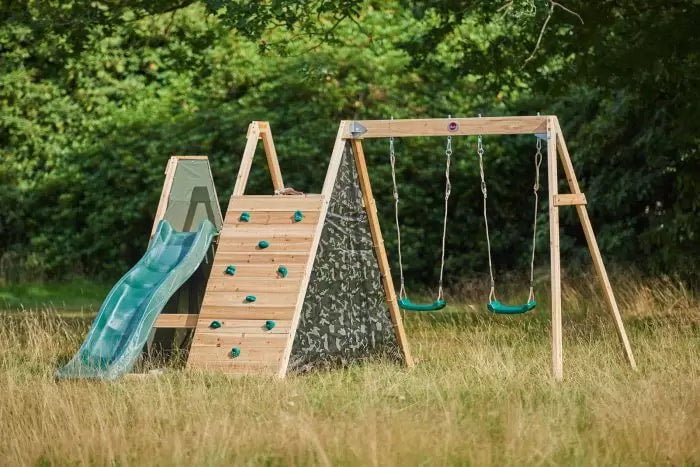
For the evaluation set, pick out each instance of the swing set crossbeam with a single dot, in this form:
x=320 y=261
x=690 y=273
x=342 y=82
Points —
x=364 y=129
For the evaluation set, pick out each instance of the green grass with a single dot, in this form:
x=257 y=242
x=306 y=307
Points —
x=481 y=394
x=77 y=295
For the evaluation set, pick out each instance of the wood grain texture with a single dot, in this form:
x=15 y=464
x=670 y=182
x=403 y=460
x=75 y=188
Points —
x=592 y=243
x=441 y=127
x=378 y=240
x=176 y=320
x=555 y=267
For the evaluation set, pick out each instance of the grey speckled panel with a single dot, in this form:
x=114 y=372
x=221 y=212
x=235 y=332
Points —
x=344 y=317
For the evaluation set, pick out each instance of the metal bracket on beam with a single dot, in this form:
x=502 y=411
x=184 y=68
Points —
x=357 y=129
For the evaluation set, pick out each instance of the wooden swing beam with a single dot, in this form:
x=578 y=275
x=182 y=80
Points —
x=356 y=130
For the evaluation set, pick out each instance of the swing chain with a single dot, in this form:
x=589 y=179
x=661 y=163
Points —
x=535 y=190
x=448 y=190
x=392 y=160
x=480 y=152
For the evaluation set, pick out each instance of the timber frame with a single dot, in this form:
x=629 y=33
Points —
x=260 y=130
x=355 y=131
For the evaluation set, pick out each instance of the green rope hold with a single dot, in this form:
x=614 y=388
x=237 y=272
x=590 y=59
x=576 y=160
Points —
x=298 y=216
x=269 y=324
x=215 y=324
x=250 y=298
x=230 y=269
x=245 y=216
x=235 y=352
x=282 y=270
x=263 y=244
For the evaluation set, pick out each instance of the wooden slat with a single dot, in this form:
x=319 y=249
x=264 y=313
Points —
x=220 y=360
x=441 y=127
x=234 y=243
x=267 y=217
x=229 y=312
x=272 y=342
x=227 y=298
x=597 y=258
x=383 y=262
x=239 y=284
x=176 y=320
x=234 y=228
x=253 y=271
x=274 y=203
x=243 y=328
x=259 y=258
x=573 y=199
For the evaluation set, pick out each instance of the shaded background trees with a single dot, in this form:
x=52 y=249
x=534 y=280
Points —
x=94 y=96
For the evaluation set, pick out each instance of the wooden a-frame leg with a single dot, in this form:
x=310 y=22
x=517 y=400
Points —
x=271 y=155
x=555 y=267
x=593 y=248
x=380 y=251
x=247 y=159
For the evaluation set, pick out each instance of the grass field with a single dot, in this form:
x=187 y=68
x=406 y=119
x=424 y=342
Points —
x=481 y=394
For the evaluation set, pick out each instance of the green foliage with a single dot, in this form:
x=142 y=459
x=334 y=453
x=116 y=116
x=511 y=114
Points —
x=93 y=100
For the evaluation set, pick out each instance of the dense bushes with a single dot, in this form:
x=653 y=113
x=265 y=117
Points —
x=87 y=124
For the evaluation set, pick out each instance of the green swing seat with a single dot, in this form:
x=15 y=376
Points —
x=408 y=305
x=499 y=308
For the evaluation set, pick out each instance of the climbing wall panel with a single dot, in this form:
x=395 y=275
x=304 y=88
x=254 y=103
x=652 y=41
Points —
x=252 y=308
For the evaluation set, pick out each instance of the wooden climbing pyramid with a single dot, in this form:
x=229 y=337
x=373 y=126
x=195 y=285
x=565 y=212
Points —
x=261 y=271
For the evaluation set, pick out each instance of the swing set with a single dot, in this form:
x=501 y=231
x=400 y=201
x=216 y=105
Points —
x=494 y=305
x=544 y=128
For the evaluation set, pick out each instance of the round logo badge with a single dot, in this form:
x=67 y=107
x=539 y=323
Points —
x=452 y=126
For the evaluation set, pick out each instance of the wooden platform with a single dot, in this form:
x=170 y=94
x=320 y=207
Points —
x=277 y=298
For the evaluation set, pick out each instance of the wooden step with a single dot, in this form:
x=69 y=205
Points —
x=274 y=203
x=259 y=258
x=243 y=284
x=212 y=312
x=267 y=217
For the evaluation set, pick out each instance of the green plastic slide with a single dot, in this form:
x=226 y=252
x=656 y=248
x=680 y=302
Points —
x=124 y=322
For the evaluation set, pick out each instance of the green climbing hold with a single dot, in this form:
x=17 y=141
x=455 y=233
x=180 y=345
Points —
x=231 y=270
x=282 y=270
x=245 y=216
x=269 y=324
x=235 y=352
x=215 y=324
x=298 y=216
x=263 y=244
x=250 y=298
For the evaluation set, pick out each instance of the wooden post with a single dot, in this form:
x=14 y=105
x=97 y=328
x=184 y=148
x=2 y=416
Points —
x=165 y=193
x=555 y=267
x=378 y=240
x=247 y=159
x=331 y=174
x=271 y=155
x=593 y=247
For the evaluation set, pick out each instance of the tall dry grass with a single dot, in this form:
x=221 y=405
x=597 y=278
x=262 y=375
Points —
x=481 y=394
